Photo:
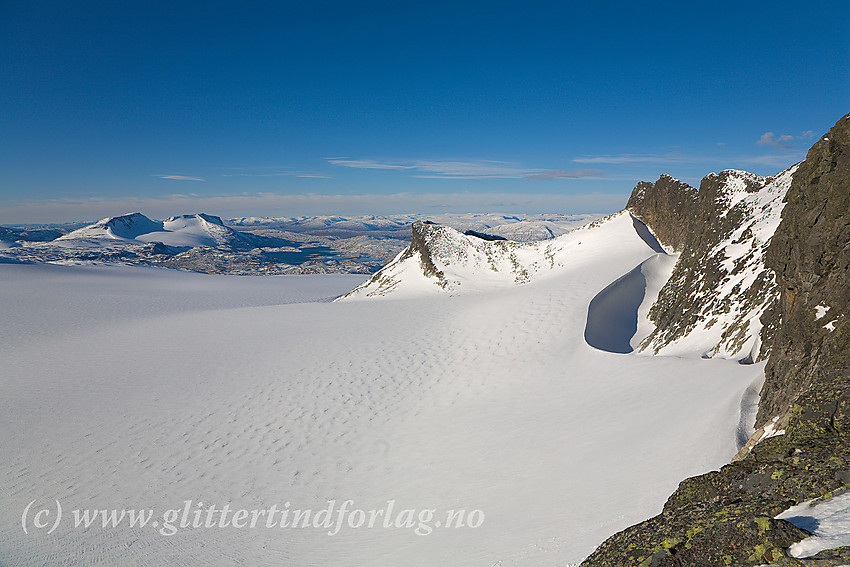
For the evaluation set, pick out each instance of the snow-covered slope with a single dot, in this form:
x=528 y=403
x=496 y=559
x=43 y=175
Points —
x=441 y=259
x=185 y=231
x=828 y=520
x=122 y=227
x=197 y=230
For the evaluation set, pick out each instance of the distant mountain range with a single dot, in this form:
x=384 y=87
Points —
x=255 y=245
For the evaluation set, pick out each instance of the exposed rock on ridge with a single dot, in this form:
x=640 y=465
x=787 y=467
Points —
x=432 y=248
x=810 y=254
x=668 y=206
x=443 y=260
x=720 y=287
x=726 y=517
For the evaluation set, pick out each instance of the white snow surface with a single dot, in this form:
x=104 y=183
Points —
x=828 y=520
x=656 y=271
x=770 y=430
x=141 y=388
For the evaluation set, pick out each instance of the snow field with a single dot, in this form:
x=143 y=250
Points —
x=486 y=401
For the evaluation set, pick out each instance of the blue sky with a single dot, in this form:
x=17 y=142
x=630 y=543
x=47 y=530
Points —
x=323 y=107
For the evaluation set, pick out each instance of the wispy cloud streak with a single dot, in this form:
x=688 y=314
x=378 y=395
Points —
x=630 y=159
x=561 y=174
x=458 y=169
x=180 y=177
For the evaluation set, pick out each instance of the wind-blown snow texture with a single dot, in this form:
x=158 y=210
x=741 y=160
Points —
x=115 y=396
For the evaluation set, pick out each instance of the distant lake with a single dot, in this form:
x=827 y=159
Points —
x=307 y=253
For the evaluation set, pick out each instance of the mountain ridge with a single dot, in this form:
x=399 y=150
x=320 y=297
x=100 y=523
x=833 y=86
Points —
x=441 y=259
x=801 y=447
x=720 y=287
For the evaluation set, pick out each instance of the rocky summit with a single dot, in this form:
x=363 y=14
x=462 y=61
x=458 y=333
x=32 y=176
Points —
x=801 y=448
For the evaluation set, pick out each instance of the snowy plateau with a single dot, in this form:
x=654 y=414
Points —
x=490 y=376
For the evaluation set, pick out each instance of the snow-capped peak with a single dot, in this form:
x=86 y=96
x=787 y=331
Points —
x=442 y=259
x=182 y=231
x=126 y=227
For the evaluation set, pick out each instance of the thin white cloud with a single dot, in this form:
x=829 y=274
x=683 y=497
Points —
x=180 y=177
x=561 y=174
x=779 y=161
x=630 y=159
x=366 y=164
x=273 y=172
x=705 y=162
x=458 y=169
x=780 y=143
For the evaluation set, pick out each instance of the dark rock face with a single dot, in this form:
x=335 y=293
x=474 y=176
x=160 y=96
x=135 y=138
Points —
x=726 y=517
x=668 y=206
x=423 y=233
x=810 y=254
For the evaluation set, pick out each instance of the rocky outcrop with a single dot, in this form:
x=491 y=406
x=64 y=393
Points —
x=668 y=206
x=810 y=254
x=726 y=517
x=423 y=233
x=713 y=302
